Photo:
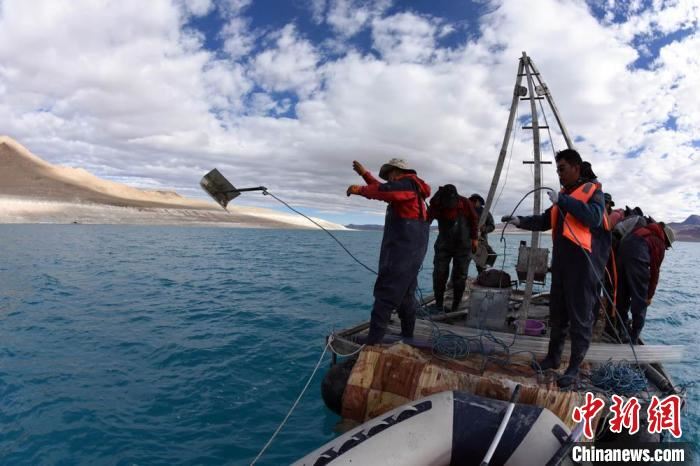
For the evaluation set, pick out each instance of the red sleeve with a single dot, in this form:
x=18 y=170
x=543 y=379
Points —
x=657 y=251
x=369 y=178
x=372 y=191
x=470 y=212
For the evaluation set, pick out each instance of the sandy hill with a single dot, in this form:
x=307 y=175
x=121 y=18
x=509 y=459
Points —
x=25 y=175
x=35 y=191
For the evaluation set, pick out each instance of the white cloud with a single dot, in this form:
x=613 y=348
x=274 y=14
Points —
x=614 y=108
x=262 y=104
x=232 y=8
x=404 y=37
x=290 y=65
x=661 y=18
x=348 y=17
x=227 y=85
x=149 y=101
x=199 y=7
x=238 y=39
x=318 y=10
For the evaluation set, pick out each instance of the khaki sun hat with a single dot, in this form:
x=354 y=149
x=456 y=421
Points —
x=394 y=163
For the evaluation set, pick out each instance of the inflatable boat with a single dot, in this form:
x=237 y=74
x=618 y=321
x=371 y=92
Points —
x=451 y=428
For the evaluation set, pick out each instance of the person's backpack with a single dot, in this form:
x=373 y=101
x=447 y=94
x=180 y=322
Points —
x=626 y=226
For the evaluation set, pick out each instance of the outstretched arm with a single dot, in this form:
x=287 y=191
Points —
x=540 y=222
x=364 y=173
x=388 y=192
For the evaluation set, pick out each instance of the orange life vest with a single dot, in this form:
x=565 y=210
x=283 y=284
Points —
x=574 y=230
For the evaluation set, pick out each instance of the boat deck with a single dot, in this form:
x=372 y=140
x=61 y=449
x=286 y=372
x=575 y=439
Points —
x=493 y=363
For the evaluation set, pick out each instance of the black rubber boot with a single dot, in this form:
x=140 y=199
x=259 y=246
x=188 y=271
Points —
x=554 y=350
x=375 y=335
x=634 y=336
x=407 y=327
x=570 y=376
x=457 y=299
x=439 y=302
x=548 y=363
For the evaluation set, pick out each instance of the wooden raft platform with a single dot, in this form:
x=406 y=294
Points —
x=537 y=346
x=386 y=377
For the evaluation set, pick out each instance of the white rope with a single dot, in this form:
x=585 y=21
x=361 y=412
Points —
x=333 y=350
x=318 y=364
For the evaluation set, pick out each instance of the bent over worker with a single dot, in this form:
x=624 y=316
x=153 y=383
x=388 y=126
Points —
x=404 y=243
x=456 y=242
x=640 y=256
x=575 y=218
x=484 y=231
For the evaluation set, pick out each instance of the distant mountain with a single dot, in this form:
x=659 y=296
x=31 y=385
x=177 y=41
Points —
x=352 y=226
x=35 y=191
x=692 y=220
x=373 y=227
x=687 y=230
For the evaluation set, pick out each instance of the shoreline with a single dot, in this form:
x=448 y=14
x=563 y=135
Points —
x=14 y=210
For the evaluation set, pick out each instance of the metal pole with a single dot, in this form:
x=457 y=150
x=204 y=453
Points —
x=535 y=241
x=502 y=427
x=504 y=147
x=242 y=190
x=553 y=106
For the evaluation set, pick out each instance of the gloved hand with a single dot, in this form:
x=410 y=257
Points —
x=510 y=219
x=553 y=196
x=359 y=169
x=475 y=245
x=353 y=189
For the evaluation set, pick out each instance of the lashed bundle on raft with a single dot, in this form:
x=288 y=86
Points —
x=384 y=378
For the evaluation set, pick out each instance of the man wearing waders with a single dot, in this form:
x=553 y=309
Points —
x=577 y=222
x=457 y=240
x=404 y=243
x=640 y=255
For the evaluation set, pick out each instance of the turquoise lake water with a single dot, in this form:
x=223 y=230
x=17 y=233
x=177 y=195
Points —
x=124 y=345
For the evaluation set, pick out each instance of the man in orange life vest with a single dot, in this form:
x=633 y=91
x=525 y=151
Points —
x=576 y=219
x=404 y=244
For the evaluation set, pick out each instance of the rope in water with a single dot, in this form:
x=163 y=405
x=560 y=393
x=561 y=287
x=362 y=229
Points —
x=296 y=402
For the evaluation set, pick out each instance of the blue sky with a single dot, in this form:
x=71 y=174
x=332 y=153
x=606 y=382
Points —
x=288 y=93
